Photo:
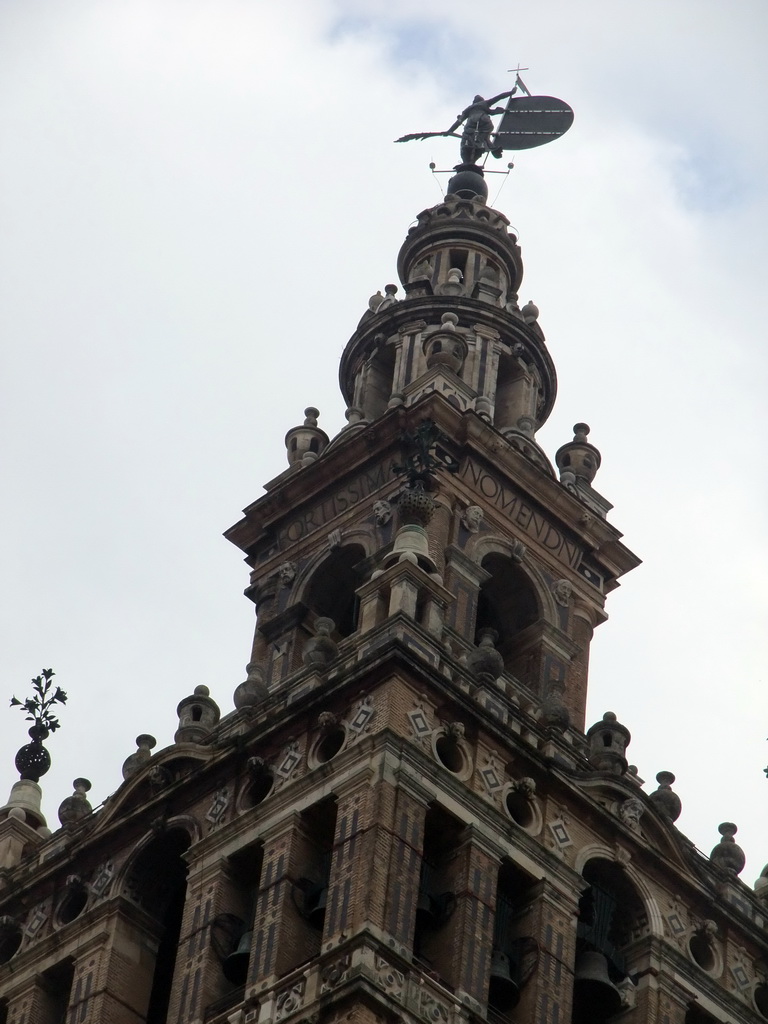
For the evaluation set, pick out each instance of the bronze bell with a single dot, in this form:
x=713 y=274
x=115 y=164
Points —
x=425 y=909
x=593 y=988
x=316 y=901
x=235 y=967
x=503 y=992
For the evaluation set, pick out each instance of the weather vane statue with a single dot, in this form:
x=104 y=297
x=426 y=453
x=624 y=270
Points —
x=526 y=121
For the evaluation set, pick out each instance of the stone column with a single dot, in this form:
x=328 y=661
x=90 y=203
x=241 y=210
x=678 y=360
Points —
x=671 y=1003
x=112 y=978
x=551 y=922
x=353 y=872
x=281 y=937
x=578 y=670
x=198 y=976
x=398 y=843
x=30 y=1006
x=463 y=578
x=466 y=951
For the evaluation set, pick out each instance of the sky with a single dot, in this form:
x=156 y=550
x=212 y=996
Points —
x=197 y=198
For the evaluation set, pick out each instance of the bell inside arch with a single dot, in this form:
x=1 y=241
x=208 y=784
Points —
x=594 y=991
x=503 y=991
x=235 y=966
x=315 y=902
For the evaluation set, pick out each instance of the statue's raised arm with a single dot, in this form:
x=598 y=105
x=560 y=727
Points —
x=527 y=121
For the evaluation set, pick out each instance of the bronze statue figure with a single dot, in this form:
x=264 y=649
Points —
x=478 y=128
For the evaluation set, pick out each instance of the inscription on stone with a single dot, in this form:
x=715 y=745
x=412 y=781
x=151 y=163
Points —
x=357 y=490
x=530 y=520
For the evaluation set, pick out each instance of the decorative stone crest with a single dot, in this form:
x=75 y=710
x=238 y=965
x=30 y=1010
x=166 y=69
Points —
x=432 y=1009
x=389 y=978
x=289 y=1000
x=102 y=879
x=287 y=763
x=218 y=809
x=560 y=836
x=361 y=715
x=420 y=722
x=334 y=973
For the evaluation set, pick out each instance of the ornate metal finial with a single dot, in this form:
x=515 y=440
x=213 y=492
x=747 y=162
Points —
x=527 y=121
x=33 y=760
x=423 y=456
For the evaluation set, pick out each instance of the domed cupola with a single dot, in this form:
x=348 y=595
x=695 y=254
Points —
x=460 y=268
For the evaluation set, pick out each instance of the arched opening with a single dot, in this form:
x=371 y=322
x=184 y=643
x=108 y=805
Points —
x=157 y=882
x=437 y=892
x=314 y=855
x=232 y=931
x=507 y=603
x=55 y=992
x=331 y=591
x=514 y=955
x=611 y=914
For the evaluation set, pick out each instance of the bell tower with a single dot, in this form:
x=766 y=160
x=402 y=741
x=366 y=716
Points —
x=426 y=586
x=403 y=818
x=446 y=389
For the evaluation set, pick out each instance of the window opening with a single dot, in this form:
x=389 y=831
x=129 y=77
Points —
x=507 y=603
x=609 y=910
x=436 y=899
x=331 y=591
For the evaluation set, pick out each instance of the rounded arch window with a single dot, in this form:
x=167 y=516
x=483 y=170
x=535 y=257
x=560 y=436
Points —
x=331 y=591
x=507 y=602
x=611 y=916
